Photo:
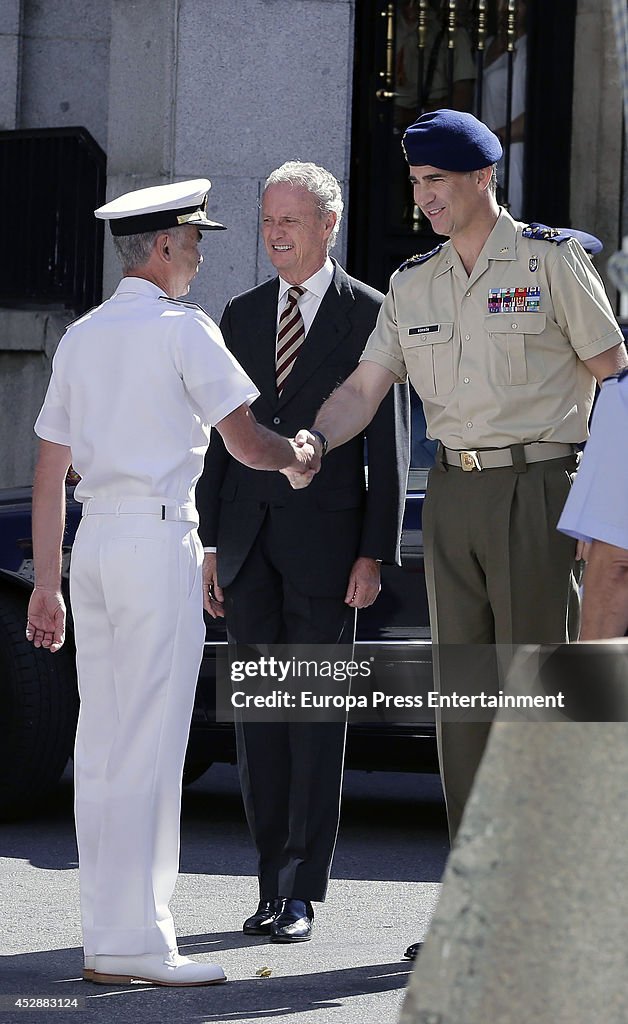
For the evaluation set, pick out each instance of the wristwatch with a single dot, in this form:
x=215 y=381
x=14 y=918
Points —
x=322 y=439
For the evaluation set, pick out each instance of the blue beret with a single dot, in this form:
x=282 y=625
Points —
x=452 y=141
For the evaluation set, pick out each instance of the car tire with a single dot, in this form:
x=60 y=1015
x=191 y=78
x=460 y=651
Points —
x=38 y=712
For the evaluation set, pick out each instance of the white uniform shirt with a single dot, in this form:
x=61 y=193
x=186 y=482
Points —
x=597 y=506
x=136 y=384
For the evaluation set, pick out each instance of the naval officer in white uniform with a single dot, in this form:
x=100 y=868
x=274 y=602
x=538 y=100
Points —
x=136 y=384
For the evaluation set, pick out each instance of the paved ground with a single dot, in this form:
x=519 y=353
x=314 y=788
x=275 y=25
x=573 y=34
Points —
x=390 y=856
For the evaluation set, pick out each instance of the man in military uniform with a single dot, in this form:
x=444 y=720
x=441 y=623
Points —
x=597 y=512
x=136 y=384
x=502 y=331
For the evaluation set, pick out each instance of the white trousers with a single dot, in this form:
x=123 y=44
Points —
x=136 y=594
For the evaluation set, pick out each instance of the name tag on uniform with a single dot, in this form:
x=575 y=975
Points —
x=427 y=329
x=526 y=299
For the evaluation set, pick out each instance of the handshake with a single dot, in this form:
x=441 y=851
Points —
x=307 y=450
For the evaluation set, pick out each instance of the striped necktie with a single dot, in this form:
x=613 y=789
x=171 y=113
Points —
x=290 y=336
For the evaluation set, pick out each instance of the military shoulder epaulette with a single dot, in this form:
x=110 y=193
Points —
x=77 y=318
x=422 y=257
x=543 y=233
x=183 y=302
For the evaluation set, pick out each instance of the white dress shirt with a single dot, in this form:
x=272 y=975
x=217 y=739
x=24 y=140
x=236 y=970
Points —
x=315 y=288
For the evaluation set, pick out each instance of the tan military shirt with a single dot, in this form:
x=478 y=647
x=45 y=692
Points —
x=489 y=379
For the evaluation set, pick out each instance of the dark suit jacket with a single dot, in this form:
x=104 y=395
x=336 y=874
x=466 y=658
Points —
x=327 y=525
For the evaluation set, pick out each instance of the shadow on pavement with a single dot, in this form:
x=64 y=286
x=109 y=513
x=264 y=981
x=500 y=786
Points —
x=56 y=974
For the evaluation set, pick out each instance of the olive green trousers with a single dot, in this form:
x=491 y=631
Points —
x=498 y=574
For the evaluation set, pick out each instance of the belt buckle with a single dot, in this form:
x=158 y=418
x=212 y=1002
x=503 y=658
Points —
x=470 y=460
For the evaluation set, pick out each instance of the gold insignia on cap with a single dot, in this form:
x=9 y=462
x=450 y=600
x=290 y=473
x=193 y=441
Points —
x=189 y=218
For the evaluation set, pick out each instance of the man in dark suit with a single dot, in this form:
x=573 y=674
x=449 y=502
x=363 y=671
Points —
x=291 y=566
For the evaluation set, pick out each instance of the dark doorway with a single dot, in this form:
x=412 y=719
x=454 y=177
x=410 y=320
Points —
x=492 y=57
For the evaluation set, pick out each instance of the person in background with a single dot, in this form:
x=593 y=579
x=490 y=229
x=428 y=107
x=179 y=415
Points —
x=495 y=100
x=434 y=93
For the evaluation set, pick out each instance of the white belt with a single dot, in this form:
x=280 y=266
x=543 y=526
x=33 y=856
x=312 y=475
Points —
x=164 y=508
x=476 y=458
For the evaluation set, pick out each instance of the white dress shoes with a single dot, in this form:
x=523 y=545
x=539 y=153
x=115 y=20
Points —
x=153 y=968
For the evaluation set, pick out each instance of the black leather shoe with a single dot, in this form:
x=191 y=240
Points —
x=293 y=922
x=413 y=951
x=259 y=923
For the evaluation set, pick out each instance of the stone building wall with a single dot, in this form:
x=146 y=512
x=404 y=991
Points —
x=171 y=89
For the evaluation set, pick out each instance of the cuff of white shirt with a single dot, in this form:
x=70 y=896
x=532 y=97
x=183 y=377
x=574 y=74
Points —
x=209 y=551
